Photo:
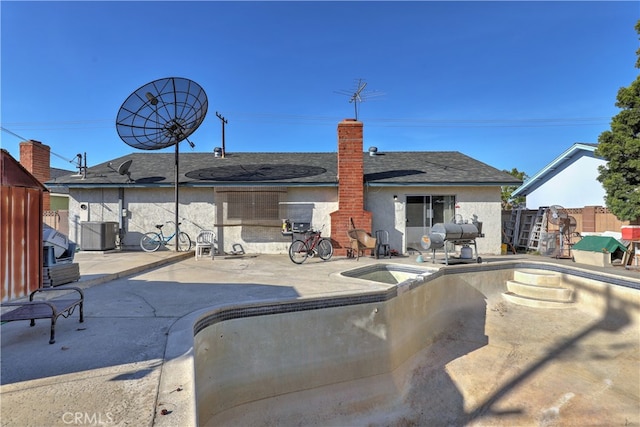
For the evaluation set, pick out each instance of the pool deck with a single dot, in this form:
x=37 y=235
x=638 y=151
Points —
x=107 y=370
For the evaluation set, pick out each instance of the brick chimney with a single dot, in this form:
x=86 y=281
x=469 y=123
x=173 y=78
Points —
x=35 y=157
x=350 y=185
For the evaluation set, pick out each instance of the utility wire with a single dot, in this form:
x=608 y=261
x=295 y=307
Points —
x=13 y=133
x=39 y=146
x=378 y=121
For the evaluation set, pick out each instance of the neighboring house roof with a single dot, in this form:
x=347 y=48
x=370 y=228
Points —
x=290 y=169
x=561 y=162
x=55 y=173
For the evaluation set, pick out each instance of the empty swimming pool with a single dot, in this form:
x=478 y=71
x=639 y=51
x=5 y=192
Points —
x=388 y=273
x=446 y=350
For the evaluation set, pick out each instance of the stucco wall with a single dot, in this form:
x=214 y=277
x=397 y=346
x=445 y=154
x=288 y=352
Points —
x=311 y=205
x=484 y=202
x=146 y=207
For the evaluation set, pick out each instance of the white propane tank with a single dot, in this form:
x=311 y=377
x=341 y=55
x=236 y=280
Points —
x=466 y=252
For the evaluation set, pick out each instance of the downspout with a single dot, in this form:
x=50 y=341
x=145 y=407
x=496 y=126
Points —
x=121 y=216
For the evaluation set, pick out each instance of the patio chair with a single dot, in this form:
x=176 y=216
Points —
x=383 y=248
x=360 y=241
x=205 y=242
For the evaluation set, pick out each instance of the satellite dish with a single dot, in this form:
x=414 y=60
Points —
x=162 y=113
x=123 y=169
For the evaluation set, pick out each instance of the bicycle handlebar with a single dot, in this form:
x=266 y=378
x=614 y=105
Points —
x=317 y=230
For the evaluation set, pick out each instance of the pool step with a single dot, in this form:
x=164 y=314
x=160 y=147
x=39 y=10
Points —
x=541 y=290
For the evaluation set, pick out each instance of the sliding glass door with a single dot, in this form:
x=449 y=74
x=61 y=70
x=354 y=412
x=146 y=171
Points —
x=422 y=212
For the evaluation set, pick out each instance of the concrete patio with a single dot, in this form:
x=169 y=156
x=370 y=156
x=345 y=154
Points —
x=107 y=369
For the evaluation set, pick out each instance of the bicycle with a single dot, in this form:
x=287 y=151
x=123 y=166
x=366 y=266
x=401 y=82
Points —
x=312 y=245
x=151 y=241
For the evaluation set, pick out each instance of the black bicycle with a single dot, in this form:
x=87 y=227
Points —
x=313 y=244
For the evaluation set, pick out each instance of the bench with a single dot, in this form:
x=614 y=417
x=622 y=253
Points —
x=49 y=309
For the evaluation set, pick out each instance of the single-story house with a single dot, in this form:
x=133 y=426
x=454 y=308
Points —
x=570 y=180
x=244 y=197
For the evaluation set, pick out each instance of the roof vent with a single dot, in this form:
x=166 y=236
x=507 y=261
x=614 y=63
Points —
x=373 y=151
x=217 y=152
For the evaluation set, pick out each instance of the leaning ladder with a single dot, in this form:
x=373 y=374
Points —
x=512 y=228
x=538 y=226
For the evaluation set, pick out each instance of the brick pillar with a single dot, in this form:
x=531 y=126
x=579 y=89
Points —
x=350 y=185
x=589 y=218
x=35 y=157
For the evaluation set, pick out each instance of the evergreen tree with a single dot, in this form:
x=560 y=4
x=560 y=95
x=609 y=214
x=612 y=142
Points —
x=508 y=202
x=620 y=147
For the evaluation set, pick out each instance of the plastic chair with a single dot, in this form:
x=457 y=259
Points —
x=204 y=242
x=382 y=244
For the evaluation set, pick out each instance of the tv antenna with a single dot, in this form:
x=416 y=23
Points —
x=358 y=95
x=160 y=114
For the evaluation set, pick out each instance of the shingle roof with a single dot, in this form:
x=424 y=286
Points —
x=301 y=169
x=54 y=173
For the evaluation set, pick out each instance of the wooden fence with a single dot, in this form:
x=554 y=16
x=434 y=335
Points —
x=590 y=219
x=58 y=220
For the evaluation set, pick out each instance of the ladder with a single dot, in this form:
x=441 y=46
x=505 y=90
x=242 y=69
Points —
x=527 y=220
x=538 y=226
x=512 y=228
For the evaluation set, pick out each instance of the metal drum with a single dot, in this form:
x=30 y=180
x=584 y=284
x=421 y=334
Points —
x=432 y=241
x=451 y=231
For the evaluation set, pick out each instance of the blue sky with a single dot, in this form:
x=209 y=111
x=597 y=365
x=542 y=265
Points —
x=512 y=84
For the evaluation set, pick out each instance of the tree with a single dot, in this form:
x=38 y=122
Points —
x=620 y=147
x=507 y=202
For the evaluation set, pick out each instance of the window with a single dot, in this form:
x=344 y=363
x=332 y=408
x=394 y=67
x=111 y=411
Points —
x=253 y=204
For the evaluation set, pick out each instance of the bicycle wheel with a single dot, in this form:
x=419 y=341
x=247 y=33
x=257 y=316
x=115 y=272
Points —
x=150 y=242
x=184 y=242
x=325 y=249
x=298 y=251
